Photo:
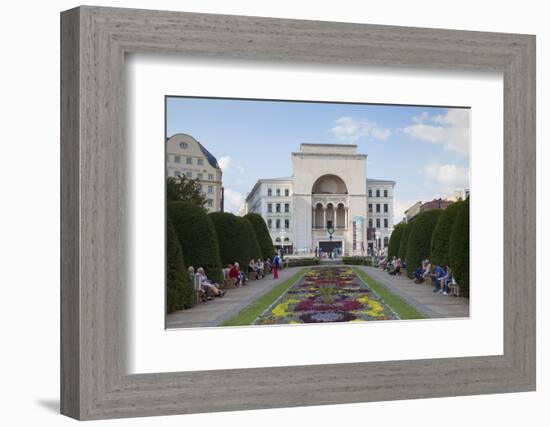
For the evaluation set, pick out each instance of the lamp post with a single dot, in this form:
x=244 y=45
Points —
x=377 y=239
x=330 y=233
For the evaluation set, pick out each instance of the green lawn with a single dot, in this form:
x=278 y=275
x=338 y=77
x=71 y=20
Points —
x=398 y=304
x=253 y=311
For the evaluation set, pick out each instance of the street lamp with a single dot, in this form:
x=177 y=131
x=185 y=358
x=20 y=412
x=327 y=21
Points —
x=377 y=239
x=330 y=233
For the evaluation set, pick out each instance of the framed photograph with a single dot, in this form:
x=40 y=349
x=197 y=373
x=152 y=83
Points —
x=261 y=213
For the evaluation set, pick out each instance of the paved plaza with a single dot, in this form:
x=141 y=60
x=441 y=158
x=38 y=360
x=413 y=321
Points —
x=420 y=296
x=215 y=312
x=218 y=310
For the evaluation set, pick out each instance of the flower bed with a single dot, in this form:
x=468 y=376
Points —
x=327 y=294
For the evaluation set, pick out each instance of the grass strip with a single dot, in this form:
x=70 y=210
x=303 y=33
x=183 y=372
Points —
x=247 y=315
x=398 y=304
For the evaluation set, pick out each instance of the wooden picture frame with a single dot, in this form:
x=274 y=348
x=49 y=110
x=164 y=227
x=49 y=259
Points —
x=94 y=41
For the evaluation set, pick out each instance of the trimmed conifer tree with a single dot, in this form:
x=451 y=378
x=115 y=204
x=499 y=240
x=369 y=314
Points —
x=459 y=248
x=395 y=240
x=402 y=253
x=262 y=234
x=420 y=238
x=254 y=251
x=233 y=238
x=442 y=235
x=197 y=237
x=179 y=291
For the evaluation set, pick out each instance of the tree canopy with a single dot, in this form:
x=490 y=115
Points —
x=185 y=190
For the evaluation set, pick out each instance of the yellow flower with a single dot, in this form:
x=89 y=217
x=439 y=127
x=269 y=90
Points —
x=281 y=309
x=375 y=308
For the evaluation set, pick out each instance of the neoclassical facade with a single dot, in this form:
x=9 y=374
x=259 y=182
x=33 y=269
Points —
x=328 y=190
x=185 y=156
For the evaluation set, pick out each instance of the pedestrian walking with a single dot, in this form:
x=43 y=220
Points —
x=276 y=266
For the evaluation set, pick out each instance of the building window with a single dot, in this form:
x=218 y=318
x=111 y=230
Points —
x=189 y=174
x=377 y=222
x=385 y=193
x=189 y=160
x=287 y=207
x=385 y=222
x=370 y=193
x=211 y=189
x=370 y=223
x=269 y=223
x=287 y=223
x=209 y=202
x=370 y=207
x=278 y=207
x=277 y=223
x=385 y=208
x=278 y=192
x=269 y=208
x=199 y=175
x=200 y=161
x=183 y=145
x=269 y=192
x=377 y=193
x=177 y=159
x=378 y=208
x=210 y=177
x=177 y=174
x=286 y=192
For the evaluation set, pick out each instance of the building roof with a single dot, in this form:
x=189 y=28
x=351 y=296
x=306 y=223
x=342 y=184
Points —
x=209 y=156
x=389 y=181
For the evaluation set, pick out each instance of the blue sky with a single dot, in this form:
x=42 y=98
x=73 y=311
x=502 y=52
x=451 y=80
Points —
x=424 y=149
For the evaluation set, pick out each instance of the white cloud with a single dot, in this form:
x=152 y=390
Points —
x=447 y=178
x=350 y=129
x=451 y=129
x=224 y=162
x=232 y=200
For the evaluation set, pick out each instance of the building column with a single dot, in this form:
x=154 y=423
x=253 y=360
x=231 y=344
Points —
x=324 y=217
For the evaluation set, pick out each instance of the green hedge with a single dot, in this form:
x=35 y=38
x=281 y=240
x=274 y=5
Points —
x=302 y=262
x=395 y=240
x=442 y=235
x=357 y=260
x=262 y=234
x=254 y=251
x=179 y=291
x=404 y=242
x=420 y=238
x=459 y=248
x=233 y=238
x=197 y=237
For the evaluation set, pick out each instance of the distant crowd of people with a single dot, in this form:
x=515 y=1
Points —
x=441 y=276
x=392 y=266
x=233 y=274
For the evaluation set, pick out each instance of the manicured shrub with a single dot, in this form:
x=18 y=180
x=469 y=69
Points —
x=395 y=240
x=402 y=253
x=459 y=248
x=303 y=262
x=179 y=291
x=442 y=235
x=262 y=234
x=197 y=237
x=233 y=238
x=420 y=238
x=254 y=251
x=357 y=260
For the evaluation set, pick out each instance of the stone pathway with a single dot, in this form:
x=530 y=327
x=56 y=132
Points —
x=420 y=296
x=218 y=310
